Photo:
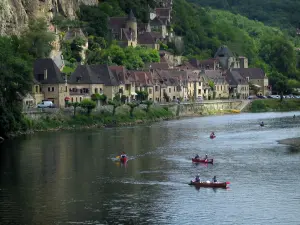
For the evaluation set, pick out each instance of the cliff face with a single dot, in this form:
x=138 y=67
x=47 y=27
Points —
x=14 y=14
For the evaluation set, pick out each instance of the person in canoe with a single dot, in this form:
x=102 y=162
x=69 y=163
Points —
x=197 y=179
x=206 y=158
x=214 y=180
x=197 y=156
x=212 y=134
x=294 y=116
x=123 y=155
x=262 y=124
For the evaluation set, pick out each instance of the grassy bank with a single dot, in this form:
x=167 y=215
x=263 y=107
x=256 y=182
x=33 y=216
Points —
x=81 y=120
x=275 y=105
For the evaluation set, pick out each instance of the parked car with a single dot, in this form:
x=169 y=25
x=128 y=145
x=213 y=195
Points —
x=45 y=104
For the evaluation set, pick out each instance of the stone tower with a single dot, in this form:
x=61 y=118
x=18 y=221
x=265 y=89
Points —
x=131 y=24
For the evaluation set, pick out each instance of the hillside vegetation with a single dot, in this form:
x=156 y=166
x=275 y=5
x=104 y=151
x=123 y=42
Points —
x=278 y=13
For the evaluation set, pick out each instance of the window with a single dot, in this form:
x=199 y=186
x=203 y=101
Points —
x=170 y=90
x=52 y=88
x=66 y=89
x=80 y=99
x=49 y=89
x=199 y=83
x=150 y=90
x=36 y=89
x=96 y=90
x=156 y=88
x=127 y=86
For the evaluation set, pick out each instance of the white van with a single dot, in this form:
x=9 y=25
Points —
x=45 y=104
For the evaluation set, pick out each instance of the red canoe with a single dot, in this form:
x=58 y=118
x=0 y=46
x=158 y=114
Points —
x=203 y=160
x=209 y=184
x=123 y=160
x=212 y=136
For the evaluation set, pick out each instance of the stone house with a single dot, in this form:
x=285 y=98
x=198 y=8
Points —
x=238 y=85
x=87 y=80
x=227 y=60
x=170 y=58
x=258 y=78
x=128 y=32
x=126 y=81
x=171 y=83
x=124 y=30
x=143 y=82
x=221 y=85
x=209 y=64
x=49 y=82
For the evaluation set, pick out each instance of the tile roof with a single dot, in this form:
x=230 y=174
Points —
x=157 y=65
x=234 y=78
x=121 y=73
x=142 y=78
x=252 y=73
x=117 y=23
x=146 y=38
x=94 y=74
x=73 y=33
x=223 y=51
x=54 y=76
x=163 y=12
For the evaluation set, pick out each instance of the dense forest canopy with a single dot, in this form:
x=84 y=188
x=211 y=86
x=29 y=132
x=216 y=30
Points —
x=278 y=13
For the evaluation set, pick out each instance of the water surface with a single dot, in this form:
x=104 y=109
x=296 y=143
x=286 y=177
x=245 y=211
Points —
x=72 y=178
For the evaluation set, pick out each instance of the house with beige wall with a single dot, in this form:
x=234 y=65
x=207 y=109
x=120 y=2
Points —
x=238 y=85
x=53 y=84
x=221 y=86
x=258 y=78
x=87 y=80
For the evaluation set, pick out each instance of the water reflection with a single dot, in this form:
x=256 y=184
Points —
x=71 y=177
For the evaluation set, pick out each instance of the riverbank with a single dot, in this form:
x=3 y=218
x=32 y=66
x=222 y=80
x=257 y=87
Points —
x=274 y=105
x=103 y=119
x=295 y=142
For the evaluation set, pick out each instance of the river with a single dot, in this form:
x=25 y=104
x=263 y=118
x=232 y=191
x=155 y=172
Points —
x=71 y=177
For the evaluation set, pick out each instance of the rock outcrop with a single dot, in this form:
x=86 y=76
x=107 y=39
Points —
x=14 y=14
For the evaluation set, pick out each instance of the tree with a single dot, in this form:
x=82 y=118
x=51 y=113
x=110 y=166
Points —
x=148 y=103
x=88 y=105
x=36 y=38
x=75 y=106
x=115 y=105
x=15 y=83
x=132 y=106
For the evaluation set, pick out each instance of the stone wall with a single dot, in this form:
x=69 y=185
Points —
x=204 y=108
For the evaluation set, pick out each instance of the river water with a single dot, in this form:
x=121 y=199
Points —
x=72 y=178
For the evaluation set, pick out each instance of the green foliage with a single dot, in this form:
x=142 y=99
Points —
x=36 y=39
x=132 y=105
x=64 y=23
x=68 y=70
x=115 y=105
x=88 y=105
x=148 y=103
x=16 y=60
x=72 y=48
x=123 y=99
x=141 y=95
x=268 y=105
x=75 y=105
x=278 y=13
x=131 y=58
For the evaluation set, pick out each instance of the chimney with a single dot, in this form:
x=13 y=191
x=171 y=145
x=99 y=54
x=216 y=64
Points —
x=45 y=74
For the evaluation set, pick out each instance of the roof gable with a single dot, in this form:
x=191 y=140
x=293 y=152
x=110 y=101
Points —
x=53 y=74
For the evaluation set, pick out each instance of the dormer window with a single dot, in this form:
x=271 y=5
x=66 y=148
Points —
x=247 y=78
